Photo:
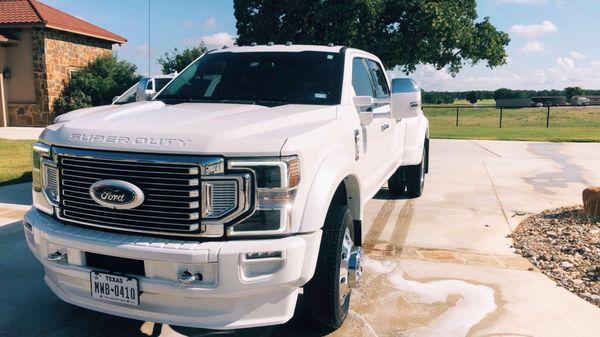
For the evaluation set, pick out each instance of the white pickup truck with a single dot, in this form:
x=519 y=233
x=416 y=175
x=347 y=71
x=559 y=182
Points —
x=241 y=186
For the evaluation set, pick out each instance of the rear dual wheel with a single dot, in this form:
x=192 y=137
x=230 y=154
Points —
x=410 y=180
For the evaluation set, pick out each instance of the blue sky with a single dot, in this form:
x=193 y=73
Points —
x=554 y=43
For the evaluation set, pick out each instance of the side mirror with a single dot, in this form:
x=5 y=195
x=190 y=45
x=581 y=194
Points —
x=115 y=98
x=406 y=98
x=364 y=104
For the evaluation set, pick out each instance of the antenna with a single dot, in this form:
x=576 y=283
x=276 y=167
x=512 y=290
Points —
x=149 y=38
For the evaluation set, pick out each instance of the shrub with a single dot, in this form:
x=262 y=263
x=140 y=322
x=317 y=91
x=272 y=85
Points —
x=96 y=84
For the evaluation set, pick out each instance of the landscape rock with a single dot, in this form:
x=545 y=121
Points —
x=565 y=245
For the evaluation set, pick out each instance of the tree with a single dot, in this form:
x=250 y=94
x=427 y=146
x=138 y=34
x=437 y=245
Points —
x=504 y=93
x=472 y=97
x=573 y=91
x=96 y=84
x=176 y=61
x=402 y=33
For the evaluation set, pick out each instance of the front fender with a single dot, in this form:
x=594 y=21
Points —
x=417 y=129
x=338 y=167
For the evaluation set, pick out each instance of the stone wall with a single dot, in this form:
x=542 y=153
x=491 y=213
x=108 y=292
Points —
x=55 y=55
x=23 y=114
x=66 y=52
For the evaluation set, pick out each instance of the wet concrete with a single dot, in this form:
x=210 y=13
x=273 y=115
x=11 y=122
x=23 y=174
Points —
x=568 y=172
x=439 y=265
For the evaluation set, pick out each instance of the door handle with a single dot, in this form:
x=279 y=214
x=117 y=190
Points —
x=384 y=127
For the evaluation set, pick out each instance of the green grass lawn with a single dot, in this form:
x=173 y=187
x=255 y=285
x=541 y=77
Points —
x=15 y=161
x=566 y=124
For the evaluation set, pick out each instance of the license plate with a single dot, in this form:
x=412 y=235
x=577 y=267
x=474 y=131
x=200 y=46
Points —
x=114 y=288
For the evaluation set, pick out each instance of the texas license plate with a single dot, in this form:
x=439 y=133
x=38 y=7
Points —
x=114 y=288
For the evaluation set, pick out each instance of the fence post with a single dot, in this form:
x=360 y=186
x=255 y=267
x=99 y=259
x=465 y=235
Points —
x=500 y=126
x=548 y=117
x=457 y=116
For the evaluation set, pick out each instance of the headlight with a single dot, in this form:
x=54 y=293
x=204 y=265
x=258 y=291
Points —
x=277 y=180
x=44 y=179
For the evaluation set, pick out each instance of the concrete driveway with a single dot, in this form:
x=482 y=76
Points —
x=20 y=132
x=440 y=265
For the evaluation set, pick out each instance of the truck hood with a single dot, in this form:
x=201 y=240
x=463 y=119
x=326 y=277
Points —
x=194 y=128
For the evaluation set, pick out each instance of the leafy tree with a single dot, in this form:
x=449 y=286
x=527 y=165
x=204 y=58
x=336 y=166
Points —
x=472 y=96
x=96 y=84
x=573 y=91
x=504 y=93
x=403 y=33
x=175 y=61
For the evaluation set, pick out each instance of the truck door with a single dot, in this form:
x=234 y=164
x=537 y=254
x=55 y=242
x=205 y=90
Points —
x=396 y=146
x=396 y=133
x=377 y=137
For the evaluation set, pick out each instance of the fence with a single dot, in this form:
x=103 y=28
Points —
x=565 y=116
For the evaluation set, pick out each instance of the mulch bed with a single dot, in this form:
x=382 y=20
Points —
x=565 y=245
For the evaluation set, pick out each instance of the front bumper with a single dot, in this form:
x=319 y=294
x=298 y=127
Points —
x=234 y=293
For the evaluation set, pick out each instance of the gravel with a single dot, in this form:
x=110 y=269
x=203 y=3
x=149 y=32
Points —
x=565 y=245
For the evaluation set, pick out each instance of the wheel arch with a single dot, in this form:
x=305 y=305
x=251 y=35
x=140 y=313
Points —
x=336 y=181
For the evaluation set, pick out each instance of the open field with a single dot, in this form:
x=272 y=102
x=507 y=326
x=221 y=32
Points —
x=580 y=124
x=15 y=161
x=464 y=102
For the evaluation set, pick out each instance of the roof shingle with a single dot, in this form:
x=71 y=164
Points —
x=32 y=12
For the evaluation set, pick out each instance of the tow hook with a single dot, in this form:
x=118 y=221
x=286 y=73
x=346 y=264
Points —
x=355 y=267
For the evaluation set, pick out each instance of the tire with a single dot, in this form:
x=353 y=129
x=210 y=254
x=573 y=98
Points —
x=397 y=183
x=322 y=293
x=415 y=175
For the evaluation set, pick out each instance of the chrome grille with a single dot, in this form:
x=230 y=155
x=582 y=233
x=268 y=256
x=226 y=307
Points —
x=223 y=196
x=51 y=181
x=175 y=197
x=171 y=194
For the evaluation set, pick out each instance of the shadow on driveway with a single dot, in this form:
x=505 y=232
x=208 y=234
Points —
x=19 y=194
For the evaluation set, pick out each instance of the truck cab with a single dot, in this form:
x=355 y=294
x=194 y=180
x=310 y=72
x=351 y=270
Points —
x=240 y=186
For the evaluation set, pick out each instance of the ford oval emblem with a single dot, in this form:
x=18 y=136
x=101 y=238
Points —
x=116 y=194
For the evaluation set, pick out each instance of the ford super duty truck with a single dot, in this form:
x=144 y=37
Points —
x=240 y=186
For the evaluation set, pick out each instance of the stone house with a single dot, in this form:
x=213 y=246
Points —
x=39 y=48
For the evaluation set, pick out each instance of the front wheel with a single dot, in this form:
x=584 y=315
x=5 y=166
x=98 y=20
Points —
x=338 y=270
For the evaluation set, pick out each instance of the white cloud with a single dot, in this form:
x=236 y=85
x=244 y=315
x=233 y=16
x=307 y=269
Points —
x=210 y=23
x=565 y=72
x=532 y=47
x=142 y=49
x=577 y=56
x=565 y=63
x=534 y=30
x=213 y=41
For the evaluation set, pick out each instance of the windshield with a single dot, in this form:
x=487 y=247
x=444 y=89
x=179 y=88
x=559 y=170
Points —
x=266 y=78
x=160 y=83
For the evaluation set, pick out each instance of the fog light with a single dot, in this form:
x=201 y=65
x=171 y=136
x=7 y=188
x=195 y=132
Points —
x=57 y=256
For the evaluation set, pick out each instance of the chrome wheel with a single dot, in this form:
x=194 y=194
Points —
x=344 y=282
